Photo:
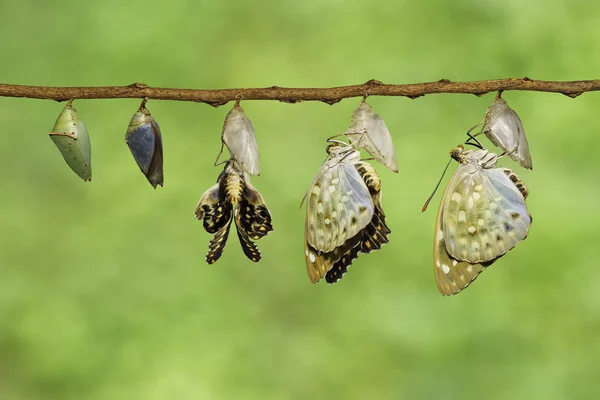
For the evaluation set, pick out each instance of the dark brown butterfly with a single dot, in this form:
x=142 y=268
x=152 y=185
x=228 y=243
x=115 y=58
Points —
x=234 y=198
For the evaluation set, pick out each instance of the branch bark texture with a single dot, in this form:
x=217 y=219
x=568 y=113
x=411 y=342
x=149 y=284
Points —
x=293 y=95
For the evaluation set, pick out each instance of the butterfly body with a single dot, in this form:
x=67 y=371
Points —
x=482 y=216
x=233 y=198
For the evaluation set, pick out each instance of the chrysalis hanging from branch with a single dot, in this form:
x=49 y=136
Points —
x=368 y=131
x=71 y=137
x=144 y=140
x=504 y=129
x=239 y=137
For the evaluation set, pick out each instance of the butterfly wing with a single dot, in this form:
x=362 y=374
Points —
x=368 y=131
x=216 y=213
x=252 y=219
x=369 y=239
x=255 y=217
x=485 y=214
x=339 y=206
x=451 y=275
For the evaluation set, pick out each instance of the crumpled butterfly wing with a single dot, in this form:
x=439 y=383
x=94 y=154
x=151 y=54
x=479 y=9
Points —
x=255 y=217
x=338 y=207
x=250 y=249
x=451 y=275
x=218 y=242
x=485 y=214
x=504 y=128
x=239 y=137
x=368 y=131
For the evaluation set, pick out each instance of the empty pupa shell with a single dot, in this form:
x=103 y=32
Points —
x=239 y=137
x=145 y=143
x=71 y=137
x=504 y=128
x=368 y=131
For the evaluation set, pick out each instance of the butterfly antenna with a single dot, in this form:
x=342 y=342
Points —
x=436 y=187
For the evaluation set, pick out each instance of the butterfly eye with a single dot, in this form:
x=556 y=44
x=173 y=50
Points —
x=71 y=137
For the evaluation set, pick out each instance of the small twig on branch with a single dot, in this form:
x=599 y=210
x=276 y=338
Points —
x=293 y=95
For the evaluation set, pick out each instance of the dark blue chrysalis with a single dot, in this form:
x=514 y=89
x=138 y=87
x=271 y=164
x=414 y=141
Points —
x=145 y=143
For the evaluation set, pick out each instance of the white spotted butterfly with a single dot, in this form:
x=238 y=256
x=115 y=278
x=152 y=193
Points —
x=343 y=214
x=482 y=216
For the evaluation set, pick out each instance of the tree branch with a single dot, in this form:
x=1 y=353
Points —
x=293 y=95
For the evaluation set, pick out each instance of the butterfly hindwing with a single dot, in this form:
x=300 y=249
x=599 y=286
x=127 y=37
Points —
x=218 y=242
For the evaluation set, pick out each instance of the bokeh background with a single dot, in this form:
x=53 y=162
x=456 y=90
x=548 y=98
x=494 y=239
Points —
x=104 y=292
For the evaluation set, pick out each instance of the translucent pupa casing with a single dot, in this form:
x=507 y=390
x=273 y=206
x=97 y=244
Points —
x=145 y=143
x=239 y=137
x=71 y=137
x=368 y=131
x=504 y=128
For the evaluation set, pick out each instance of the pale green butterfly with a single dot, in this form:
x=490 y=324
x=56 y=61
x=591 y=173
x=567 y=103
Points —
x=482 y=216
x=343 y=214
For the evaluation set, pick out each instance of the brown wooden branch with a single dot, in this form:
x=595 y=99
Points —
x=293 y=95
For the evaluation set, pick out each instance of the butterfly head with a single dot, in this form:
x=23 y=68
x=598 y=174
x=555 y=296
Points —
x=457 y=153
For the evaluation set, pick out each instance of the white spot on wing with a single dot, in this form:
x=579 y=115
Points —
x=462 y=216
x=480 y=222
x=471 y=229
x=312 y=258
x=456 y=197
x=470 y=202
x=320 y=208
x=445 y=268
x=476 y=196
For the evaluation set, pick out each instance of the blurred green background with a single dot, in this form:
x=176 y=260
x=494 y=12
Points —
x=104 y=292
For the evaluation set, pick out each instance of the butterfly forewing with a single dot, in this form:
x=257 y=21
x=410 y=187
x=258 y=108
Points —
x=338 y=206
x=484 y=214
